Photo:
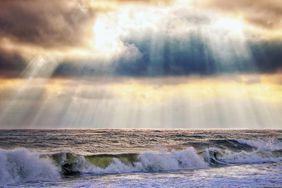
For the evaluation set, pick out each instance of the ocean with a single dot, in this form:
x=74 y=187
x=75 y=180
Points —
x=78 y=158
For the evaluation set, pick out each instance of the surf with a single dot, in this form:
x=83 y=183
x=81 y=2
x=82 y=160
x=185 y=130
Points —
x=21 y=165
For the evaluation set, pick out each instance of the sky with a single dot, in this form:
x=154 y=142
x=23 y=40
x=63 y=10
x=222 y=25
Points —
x=141 y=64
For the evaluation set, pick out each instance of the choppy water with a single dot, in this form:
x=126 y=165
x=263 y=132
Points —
x=140 y=158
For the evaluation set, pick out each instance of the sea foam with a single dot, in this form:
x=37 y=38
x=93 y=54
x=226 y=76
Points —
x=265 y=144
x=21 y=166
x=187 y=159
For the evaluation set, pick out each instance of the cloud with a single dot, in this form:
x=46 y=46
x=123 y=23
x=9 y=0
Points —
x=143 y=1
x=267 y=56
x=266 y=14
x=190 y=56
x=184 y=41
x=151 y=41
x=44 y=23
x=11 y=63
x=263 y=57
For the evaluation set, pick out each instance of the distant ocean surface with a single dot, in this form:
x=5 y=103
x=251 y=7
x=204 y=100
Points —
x=140 y=158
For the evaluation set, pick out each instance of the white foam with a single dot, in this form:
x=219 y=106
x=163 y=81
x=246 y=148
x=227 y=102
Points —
x=187 y=159
x=21 y=165
x=266 y=144
x=177 y=160
x=262 y=153
x=149 y=162
x=242 y=157
x=245 y=176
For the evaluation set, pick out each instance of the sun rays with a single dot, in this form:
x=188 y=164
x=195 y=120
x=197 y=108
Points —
x=183 y=102
x=163 y=64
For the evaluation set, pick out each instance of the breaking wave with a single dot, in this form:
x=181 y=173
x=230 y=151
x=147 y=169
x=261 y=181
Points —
x=21 y=165
x=146 y=162
x=266 y=144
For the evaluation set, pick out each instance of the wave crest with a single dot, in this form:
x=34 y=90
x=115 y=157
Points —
x=21 y=165
x=146 y=162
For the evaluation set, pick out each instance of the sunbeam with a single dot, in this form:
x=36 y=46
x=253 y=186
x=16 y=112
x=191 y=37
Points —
x=36 y=75
x=140 y=93
x=151 y=64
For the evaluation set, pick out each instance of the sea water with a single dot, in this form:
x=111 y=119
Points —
x=140 y=158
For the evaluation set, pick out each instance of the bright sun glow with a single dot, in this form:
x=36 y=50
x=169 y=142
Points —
x=110 y=29
x=228 y=24
x=105 y=36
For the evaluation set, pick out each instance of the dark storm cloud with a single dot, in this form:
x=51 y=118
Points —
x=268 y=56
x=76 y=70
x=177 y=59
x=11 y=63
x=43 y=23
x=197 y=58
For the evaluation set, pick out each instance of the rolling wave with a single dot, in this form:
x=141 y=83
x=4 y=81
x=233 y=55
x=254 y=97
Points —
x=22 y=165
